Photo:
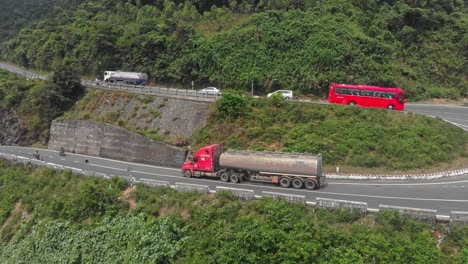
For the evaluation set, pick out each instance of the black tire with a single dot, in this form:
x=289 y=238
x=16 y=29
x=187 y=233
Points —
x=224 y=176
x=390 y=107
x=310 y=184
x=297 y=183
x=187 y=173
x=285 y=182
x=234 y=177
x=352 y=103
x=287 y=98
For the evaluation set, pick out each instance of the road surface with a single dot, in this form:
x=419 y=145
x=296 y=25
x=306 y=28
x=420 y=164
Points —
x=444 y=195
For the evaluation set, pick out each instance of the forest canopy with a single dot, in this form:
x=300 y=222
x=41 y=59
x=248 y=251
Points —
x=420 y=46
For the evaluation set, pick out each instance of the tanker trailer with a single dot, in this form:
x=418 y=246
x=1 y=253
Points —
x=286 y=169
x=125 y=77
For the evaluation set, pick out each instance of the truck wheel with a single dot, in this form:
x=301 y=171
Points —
x=297 y=183
x=187 y=173
x=234 y=178
x=224 y=177
x=310 y=184
x=285 y=182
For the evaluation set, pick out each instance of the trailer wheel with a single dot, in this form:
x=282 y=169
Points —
x=234 y=178
x=310 y=184
x=187 y=173
x=285 y=182
x=224 y=176
x=297 y=183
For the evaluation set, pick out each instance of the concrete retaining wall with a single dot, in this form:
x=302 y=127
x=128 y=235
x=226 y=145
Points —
x=426 y=215
x=357 y=207
x=287 y=197
x=241 y=193
x=458 y=217
x=108 y=141
x=186 y=187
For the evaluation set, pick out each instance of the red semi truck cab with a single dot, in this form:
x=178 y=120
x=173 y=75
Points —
x=204 y=162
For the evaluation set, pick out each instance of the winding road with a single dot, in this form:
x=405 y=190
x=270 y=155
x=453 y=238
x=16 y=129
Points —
x=457 y=115
x=444 y=195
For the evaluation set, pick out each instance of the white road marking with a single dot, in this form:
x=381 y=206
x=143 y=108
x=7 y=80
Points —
x=397 y=184
x=397 y=198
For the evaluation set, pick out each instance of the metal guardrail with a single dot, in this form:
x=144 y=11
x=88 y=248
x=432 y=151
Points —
x=140 y=89
x=148 y=90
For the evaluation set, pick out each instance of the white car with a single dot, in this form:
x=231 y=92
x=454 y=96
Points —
x=210 y=91
x=287 y=94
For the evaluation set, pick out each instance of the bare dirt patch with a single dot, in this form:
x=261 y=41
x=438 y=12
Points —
x=127 y=195
x=17 y=216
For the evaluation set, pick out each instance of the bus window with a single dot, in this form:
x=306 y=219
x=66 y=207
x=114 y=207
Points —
x=355 y=92
x=366 y=93
x=390 y=95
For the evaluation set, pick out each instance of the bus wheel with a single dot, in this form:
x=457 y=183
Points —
x=224 y=176
x=285 y=182
x=391 y=107
x=234 y=178
x=310 y=184
x=187 y=173
x=351 y=103
x=297 y=183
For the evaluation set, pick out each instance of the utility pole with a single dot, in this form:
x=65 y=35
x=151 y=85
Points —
x=252 y=87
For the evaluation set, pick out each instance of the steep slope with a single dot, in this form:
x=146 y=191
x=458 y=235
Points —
x=418 y=46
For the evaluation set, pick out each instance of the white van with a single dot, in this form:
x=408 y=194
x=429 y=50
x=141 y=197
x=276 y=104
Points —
x=287 y=94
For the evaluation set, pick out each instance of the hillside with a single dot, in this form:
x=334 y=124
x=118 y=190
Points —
x=27 y=106
x=346 y=136
x=420 y=46
x=49 y=216
x=354 y=138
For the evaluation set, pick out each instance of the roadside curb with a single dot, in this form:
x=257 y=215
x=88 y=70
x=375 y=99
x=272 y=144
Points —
x=422 y=176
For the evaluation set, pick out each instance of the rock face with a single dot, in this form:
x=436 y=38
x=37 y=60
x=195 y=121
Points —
x=173 y=119
x=9 y=127
x=108 y=141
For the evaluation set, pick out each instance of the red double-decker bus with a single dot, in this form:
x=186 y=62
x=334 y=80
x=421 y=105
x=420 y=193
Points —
x=367 y=96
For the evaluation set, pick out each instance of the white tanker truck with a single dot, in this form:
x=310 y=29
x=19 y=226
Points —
x=286 y=169
x=126 y=77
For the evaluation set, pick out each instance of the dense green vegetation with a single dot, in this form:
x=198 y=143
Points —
x=344 y=135
x=16 y=14
x=37 y=103
x=420 y=46
x=49 y=216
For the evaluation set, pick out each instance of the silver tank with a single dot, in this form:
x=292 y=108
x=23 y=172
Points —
x=272 y=162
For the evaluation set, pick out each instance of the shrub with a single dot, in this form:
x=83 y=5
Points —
x=146 y=99
x=276 y=100
x=231 y=105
